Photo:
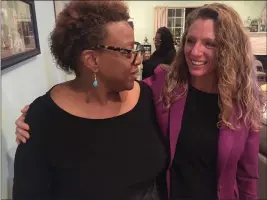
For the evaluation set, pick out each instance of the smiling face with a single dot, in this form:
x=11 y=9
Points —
x=199 y=48
x=157 y=40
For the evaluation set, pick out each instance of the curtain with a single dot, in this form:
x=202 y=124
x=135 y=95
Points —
x=263 y=17
x=161 y=17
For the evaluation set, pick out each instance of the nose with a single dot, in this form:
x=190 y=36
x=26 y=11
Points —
x=138 y=59
x=197 y=50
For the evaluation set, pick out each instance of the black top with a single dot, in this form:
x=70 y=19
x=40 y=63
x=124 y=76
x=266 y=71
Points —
x=69 y=157
x=194 y=169
x=156 y=59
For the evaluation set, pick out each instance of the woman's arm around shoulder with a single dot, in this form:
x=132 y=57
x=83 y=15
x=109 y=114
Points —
x=247 y=169
x=31 y=166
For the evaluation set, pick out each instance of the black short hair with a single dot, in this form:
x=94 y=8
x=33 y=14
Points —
x=80 y=26
x=167 y=41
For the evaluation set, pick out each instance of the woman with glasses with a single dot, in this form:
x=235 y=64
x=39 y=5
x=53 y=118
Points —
x=164 y=54
x=94 y=137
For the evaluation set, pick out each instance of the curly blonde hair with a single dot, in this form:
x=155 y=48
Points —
x=237 y=82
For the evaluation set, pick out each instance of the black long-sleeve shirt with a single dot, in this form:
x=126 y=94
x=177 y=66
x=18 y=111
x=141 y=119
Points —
x=69 y=157
x=194 y=169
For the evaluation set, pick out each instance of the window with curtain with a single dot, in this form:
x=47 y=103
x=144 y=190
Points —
x=176 y=21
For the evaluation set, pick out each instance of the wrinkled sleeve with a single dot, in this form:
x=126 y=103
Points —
x=247 y=171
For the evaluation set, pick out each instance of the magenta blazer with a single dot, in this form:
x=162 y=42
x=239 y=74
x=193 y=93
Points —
x=237 y=150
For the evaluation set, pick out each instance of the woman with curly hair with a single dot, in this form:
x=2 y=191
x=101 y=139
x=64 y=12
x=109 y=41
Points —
x=209 y=108
x=214 y=109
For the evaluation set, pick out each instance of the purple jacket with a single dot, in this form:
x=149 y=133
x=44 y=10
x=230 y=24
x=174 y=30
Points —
x=237 y=150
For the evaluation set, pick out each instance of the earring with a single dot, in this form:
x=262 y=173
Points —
x=95 y=83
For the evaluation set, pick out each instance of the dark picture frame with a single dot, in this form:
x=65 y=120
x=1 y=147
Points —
x=20 y=40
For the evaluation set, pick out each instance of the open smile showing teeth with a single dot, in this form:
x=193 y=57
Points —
x=198 y=63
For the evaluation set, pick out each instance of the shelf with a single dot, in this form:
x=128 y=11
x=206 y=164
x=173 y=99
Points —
x=257 y=34
x=258 y=41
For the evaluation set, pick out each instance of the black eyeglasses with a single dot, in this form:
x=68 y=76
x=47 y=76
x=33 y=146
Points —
x=128 y=53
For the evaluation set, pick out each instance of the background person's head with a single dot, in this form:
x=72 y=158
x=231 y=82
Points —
x=216 y=48
x=79 y=40
x=163 y=39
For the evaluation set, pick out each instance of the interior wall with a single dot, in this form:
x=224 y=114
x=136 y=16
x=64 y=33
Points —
x=21 y=84
x=142 y=13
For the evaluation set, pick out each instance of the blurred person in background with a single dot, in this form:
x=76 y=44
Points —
x=164 y=54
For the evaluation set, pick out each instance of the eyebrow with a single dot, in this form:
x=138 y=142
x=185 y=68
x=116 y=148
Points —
x=206 y=38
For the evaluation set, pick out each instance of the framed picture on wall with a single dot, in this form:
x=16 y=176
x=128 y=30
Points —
x=19 y=33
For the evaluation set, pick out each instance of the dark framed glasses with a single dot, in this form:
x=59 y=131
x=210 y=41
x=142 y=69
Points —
x=138 y=50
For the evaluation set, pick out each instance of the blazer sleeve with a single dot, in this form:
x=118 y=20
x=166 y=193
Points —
x=31 y=167
x=247 y=169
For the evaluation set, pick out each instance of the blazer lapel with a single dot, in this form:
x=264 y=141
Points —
x=176 y=115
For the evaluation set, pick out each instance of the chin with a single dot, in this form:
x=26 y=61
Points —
x=198 y=71
x=127 y=86
x=130 y=86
